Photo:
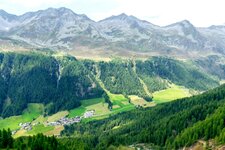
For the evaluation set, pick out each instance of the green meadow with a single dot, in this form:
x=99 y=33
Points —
x=86 y=105
x=31 y=113
x=40 y=129
x=170 y=94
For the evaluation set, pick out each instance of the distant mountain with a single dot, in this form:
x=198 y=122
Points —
x=52 y=28
x=62 y=28
x=216 y=34
x=184 y=35
x=6 y=20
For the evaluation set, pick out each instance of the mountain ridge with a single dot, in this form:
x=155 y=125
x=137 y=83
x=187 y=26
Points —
x=61 y=28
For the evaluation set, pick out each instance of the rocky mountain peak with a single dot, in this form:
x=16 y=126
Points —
x=61 y=27
x=182 y=24
x=6 y=16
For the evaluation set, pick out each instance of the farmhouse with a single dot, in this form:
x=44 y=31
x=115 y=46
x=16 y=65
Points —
x=89 y=114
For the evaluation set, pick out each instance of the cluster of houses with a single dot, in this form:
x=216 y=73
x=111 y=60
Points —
x=65 y=121
x=89 y=114
x=68 y=121
x=26 y=126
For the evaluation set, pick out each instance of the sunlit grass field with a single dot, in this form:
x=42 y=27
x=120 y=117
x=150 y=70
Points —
x=31 y=113
x=170 y=94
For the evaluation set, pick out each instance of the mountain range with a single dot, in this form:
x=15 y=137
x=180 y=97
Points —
x=158 y=102
x=61 y=28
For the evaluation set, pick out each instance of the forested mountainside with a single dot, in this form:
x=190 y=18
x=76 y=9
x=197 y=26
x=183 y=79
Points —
x=212 y=64
x=61 y=82
x=121 y=76
x=167 y=126
x=35 y=78
x=175 y=71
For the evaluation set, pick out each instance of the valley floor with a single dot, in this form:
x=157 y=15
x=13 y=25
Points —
x=39 y=123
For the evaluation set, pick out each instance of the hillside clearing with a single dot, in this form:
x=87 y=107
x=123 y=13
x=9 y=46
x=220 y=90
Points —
x=57 y=116
x=170 y=94
x=136 y=100
x=77 y=112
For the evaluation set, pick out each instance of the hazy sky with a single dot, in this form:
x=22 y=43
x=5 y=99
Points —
x=160 y=12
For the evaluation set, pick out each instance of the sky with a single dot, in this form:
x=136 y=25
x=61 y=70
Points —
x=201 y=13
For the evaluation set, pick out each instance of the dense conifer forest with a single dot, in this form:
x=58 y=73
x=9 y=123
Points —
x=36 y=78
x=170 y=126
x=36 y=142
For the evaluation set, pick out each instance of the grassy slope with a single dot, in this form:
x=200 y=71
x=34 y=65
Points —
x=136 y=100
x=120 y=103
x=97 y=104
x=40 y=129
x=32 y=112
x=57 y=116
x=85 y=105
x=77 y=111
x=170 y=94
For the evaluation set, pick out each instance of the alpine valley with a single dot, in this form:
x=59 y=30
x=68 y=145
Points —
x=68 y=82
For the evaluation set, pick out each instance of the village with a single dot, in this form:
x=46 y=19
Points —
x=62 y=121
x=68 y=121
